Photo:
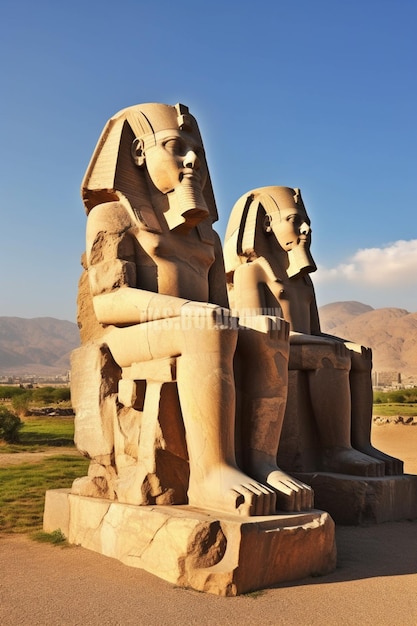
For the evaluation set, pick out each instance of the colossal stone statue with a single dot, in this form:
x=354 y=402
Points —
x=153 y=384
x=268 y=262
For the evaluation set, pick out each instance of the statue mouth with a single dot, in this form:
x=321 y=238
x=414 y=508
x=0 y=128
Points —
x=190 y=175
x=303 y=240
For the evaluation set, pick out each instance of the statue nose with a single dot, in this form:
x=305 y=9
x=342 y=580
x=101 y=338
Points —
x=191 y=160
x=304 y=229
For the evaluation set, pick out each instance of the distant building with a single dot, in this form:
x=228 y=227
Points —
x=386 y=379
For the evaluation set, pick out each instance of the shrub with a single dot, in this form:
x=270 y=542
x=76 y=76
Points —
x=10 y=424
x=62 y=394
x=8 y=392
x=43 y=394
x=21 y=404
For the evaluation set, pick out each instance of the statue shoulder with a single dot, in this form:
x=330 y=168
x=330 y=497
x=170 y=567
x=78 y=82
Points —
x=259 y=269
x=112 y=217
x=255 y=271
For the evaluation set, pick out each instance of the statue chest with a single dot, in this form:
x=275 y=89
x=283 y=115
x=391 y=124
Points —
x=295 y=298
x=174 y=264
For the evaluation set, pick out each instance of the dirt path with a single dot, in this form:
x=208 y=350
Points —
x=17 y=458
x=375 y=583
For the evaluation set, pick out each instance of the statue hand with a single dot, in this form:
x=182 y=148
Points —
x=206 y=315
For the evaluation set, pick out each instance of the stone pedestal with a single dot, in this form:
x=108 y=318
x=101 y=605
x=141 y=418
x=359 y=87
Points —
x=200 y=549
x=354 y=500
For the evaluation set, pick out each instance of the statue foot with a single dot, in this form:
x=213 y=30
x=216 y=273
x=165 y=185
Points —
x=350 y=461
x=227 y=489
x=393 y=466
x=292 y=494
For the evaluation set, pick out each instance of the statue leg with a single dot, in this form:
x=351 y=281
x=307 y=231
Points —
x=263 y=364
x=329 y=388
x=362 y=402
x=206 y=391
x=207 y=394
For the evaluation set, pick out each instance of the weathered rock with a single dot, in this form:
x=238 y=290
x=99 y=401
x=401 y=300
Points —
x=353 y=500
x=203 y=550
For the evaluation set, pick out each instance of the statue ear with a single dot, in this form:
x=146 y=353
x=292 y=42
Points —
x=267 y=223
x=138 y=152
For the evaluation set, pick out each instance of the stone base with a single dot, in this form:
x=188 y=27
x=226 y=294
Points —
x=354 y=500
x=199 y=549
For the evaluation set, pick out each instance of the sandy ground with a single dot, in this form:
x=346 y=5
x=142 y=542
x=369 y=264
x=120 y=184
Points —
x=17 y=458
x=375 y=582
x=400 y=441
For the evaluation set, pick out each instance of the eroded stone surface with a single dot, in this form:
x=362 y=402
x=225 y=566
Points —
x=202 y=550
x=353 y=500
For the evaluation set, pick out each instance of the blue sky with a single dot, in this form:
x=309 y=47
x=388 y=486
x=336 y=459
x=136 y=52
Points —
x=318 y=95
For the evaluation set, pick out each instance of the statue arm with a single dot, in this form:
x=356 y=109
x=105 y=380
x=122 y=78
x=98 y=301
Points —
x=217 y=277
x=314 y=315
x=317 y=336
x=249 y=280
x=316 y=330
x=304 y=338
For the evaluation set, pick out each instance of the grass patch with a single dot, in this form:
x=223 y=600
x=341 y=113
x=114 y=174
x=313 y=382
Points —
x=22 y=490
x=255 y=594
x=394 y=408
x=38 y=433
x=56 y=537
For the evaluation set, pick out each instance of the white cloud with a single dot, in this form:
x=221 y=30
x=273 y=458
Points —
x=390 y=266
x=380 y=277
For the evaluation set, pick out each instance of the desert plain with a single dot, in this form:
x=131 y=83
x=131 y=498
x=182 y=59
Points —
x=375 y=582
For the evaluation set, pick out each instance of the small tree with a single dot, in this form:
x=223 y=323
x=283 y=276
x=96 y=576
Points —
x=10 y=425
x=21 y=404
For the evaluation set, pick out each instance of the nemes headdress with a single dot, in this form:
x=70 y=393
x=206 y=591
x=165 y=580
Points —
x=112 y=173
x=247 y=219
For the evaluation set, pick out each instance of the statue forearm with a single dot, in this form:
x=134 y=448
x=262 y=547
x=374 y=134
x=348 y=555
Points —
x=134 y=306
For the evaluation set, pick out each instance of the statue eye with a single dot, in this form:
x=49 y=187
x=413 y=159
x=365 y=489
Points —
x=174 y=145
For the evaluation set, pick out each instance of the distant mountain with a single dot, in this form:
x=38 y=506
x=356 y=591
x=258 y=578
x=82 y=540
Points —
x=337 y=313
x=390 y=332
x=39 y=346
x=42 y=345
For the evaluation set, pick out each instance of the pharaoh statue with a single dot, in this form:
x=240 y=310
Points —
x=153 y=384
x=268 y=264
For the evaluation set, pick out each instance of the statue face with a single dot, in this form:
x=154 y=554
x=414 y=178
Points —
x=291 y=227
x=174 y=156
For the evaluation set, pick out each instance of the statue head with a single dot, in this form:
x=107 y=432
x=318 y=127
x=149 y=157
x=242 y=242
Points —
x=152 y=155
x=266 y=221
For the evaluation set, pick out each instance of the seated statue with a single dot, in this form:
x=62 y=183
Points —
x=268 y=262
x=153 y=296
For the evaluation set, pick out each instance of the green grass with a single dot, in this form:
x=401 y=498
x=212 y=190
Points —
x=389 y=409
x=39 y=433
x=22 y=490
x=22 y=487
x=56 y=537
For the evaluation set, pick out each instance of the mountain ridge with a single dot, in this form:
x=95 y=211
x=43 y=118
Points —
x=42 y=345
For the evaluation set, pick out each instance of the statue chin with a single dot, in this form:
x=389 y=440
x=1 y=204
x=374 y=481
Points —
x=187 y=206
x=300 y=261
